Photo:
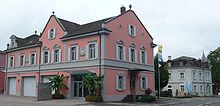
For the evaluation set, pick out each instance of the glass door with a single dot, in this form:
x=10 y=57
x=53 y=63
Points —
x=78 y=89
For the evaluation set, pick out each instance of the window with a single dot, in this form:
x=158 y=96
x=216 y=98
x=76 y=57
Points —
x=56 y=55
x=120 y=52
x=46 y=57
x=200 y=76
x=201 y=89
x=208 y=75
x=33 y=59
x=120 y=82
x=143 y=57
x=144 y=83
x=22 y=60
x=92 y=51
x=182 y=88
x=73 y=53
x=132 y=55
x=11 y=61
x=194 y=75
x=170 y=76
x=194 y=88
x=181 y=75
x=132 y=30
x=51 y=33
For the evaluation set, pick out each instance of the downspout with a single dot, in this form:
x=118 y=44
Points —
x=100 y=53
x=39 y=68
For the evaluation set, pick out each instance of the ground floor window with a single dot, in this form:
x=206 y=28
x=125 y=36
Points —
x=182 y=88
x=143 y=83
x=120 y=82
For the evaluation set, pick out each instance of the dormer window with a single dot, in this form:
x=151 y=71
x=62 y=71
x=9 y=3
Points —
x=51 y=33
x=132 y=30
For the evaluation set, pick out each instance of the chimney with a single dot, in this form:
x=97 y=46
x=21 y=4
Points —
x=169 y=57
x=123 y=9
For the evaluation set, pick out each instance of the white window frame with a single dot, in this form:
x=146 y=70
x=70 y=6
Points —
x=59 y=55
x=182 y=77
x=135 y=55
x=70 y=53
x=13 y=61
x=194 y=88
x=123 y=83
x=96 y=50
x=200 y=76
x=194 y=75
x=130 y=30
x=146 y=83
x=118 y=54
x=43 y=57
x=23 y=62
x=54 y=34
x=145 y=56
x=30 y=60
x=201 y=89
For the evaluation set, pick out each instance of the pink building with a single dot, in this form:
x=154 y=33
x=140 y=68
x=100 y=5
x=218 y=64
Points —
x=119 y=47
x=2 y=67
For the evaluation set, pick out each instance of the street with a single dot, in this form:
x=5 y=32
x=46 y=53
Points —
x=6 y=100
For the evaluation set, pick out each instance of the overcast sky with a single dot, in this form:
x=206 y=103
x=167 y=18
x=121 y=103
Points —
x=183 y=27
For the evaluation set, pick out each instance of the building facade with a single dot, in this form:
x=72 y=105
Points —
x=189 y=76
x=119 y=47
x=2 y=67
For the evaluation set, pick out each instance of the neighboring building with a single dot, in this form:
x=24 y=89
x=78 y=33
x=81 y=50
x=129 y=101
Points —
x=2 y=67
x=189 y=76
x=119 y=47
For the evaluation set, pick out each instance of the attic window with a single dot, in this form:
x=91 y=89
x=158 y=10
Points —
x=51 y=33
x=132 y=30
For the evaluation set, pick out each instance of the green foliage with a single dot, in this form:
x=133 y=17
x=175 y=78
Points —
x=214 y=57
x=148 y=91
x=90 y=98
x=164 y=74
x=166 y=93
x=57 y=82
x=93 y=83
x=147 y=98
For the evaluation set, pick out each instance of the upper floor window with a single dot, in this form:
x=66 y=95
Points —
x=33 y=59
x=201 y=89
x=143 y=57
x=21 y=60
x=132 y=55
x=181 y=75
x=200 y=76
x=51 y=33
x=120 y=82
x=73 y=53
x=92 y=50
x=120 y=52
x=194 y=88
x=144 y=83
x=11 y=64
x=132 y=30
x=194 y=75
x=46 y=57
x=170 y=76
x=57 y=55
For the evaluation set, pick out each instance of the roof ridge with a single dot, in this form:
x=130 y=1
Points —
x=98 y=20
x=68 y=21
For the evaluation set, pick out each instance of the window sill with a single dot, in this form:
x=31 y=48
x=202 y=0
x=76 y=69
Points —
x=120 y=90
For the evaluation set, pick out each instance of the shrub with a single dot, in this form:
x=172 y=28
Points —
x=166 y=93
x=90 y=98
x=58 y=96
x=148 y=98
x=148 y=91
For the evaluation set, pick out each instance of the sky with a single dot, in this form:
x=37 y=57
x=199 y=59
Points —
x=183 y=27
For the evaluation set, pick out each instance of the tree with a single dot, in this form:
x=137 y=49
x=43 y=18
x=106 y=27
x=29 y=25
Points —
x=93 y=83
x=214 y=57
x=164 y=74
x=57 y=83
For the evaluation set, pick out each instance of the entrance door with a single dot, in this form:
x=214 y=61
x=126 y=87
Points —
x=78 y=89
x=12 y=86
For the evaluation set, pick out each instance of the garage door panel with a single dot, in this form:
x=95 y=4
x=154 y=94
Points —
x=12 y=86
x=29 y=86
